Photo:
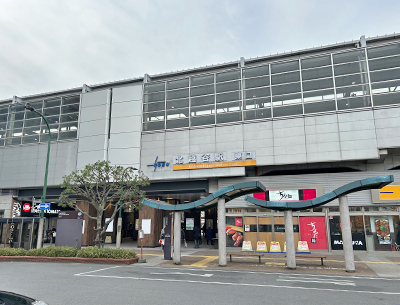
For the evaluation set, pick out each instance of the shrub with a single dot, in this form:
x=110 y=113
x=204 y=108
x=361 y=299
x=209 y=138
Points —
x=54 y=252
x=12 y=252
x=94 y=252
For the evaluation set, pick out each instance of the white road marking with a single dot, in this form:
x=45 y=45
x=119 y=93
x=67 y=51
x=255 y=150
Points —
x=315 y=280
x=83 y=273
x=183 y=273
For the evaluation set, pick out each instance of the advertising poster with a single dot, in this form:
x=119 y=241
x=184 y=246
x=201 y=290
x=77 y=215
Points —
x=247 y=228
x=382 y=231
x=189 y=224
x=234 y=233
x=313 y=231
x=238 y=222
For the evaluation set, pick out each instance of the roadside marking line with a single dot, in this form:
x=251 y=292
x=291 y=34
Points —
x=322 y=282
x=83 y=273
x=242 y=284
x=183 y=273
x=204 y=261
x=279 y=264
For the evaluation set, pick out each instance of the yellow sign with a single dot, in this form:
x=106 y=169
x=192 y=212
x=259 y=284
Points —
x=246 y=246
x=390 y=192
x=275 y=247
x=262 y=246
x=179 y=167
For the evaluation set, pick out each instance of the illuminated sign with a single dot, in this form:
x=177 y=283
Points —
x=26 y=207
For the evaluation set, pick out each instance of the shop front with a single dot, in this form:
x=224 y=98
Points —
x=18 y=232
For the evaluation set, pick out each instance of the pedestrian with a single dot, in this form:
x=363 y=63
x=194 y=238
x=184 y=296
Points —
x=53 y=234
x=162 y=237
x=197 y=236
x=209 y=235
x=183 y=237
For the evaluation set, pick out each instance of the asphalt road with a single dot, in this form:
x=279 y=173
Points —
x=58 y=283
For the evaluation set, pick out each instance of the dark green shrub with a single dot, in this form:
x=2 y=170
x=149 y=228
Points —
x=12 y=252
x=94 y=252
x=54 y=252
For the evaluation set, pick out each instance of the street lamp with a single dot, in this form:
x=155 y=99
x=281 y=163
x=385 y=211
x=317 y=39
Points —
x=119 y=223
x=43 y=199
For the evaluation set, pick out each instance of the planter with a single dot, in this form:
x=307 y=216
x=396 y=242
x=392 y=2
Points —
x=83 y=260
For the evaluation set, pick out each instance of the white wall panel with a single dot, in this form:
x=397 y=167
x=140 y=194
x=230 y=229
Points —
x=128 y=93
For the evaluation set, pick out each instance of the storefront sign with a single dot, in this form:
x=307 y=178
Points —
x=247 y=228
x=358 y=242
x=158 y=164
x=389 y=193
x=238 y=222
x=16 y=210
x=214 y=160
x=189 y=223
x=313 y=232
x=26 y=207
x=383 y=231
x=287 y=195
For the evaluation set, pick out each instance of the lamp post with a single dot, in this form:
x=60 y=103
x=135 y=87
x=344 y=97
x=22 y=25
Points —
x=119 y=223
x=42 y=200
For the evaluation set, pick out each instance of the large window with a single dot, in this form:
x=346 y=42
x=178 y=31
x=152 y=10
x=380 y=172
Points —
x=22 y=126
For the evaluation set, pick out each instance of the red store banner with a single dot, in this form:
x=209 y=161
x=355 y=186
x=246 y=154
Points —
x=313 y=231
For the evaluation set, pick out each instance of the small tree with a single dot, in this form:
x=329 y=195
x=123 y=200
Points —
x=104 y=187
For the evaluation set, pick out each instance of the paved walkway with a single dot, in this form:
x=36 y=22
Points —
x=377 y=263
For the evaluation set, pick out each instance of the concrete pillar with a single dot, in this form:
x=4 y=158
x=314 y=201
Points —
x=346 y=234
x=177 y=238
x=221 y=232
x=290 y=247
x=119 y=229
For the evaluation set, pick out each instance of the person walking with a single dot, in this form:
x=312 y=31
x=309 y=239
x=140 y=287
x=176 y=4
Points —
x=209 y=235
x=183 y=237
x=162 y=237
x=197 y=236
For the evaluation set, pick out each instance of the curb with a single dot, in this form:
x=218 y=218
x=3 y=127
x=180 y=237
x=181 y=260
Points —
x=84 y=260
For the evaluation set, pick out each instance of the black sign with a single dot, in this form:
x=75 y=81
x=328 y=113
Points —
x=358 y=242
x=34 y=209
x=313 y=240
x=70 y=215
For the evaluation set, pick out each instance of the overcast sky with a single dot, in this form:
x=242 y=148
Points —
x=54 y=45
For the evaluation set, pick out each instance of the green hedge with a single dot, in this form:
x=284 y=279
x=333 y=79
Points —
x=89 y=252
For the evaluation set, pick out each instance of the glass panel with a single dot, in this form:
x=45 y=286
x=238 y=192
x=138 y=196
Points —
x=177 y=94
x=386 y=87
x=148 y=88
x=71 y=100
x=2 y=144
x=51 y=120
x=285 y=67
x=154 y=106
x=53 y=103
x=315 y=62
x=259 y=92
x=258 y=103
x=153 y=126
x=177 y=113
x=202 y=80
x=319 y=107
x=284 y=89
x=153 y=116
x=53 y=128
x=33 y=139
x=387 y=99
x=316 y=73
x=154 y=97
x=70 y=108
x=68 y=126
x=384 y=63
x=222 y=77
x=15 y=124
x=385 y=75
x=261 y=113
x=285 y=78
x=3 y=126
x=231 y=96
x=209 y=89
x=202 y=120
x=4 y=110
x=32 y=114
x=286 y=99
x=67 y=135
x=14 y=133
x=256 y=82
x=17 y=108
x=257 y=71
x=31 y=131
x=178 y=123
x=229 y=117
x=288 y=110
x=355 y=67
x=384 y=51
x=181 y=83
x=350 y=103
x=318 y=84
x=17 y=116
x=351 y=80
x=318 y=95
x=52 y=111
x=202 y=100
x=3 y=118
x=13 y=141
x=352 y=91
x=229 y=107
x=69 y=117
x=196 y=111
x=349 y=56
x=178 y=104
x=231 y=86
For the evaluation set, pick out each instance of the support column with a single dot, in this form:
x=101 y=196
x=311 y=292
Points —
x=221 y=232
x=346 y=234
x=40 y=234
x=177 y=238
x=290 y=248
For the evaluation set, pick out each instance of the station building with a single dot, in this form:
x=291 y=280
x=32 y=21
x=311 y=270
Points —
x=303 y=123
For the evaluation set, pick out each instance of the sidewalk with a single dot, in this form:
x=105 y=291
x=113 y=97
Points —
x=377 y=263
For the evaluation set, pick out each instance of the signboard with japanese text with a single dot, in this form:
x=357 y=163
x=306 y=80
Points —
x=383 y=231
x=287 y=195
x=314 y=229
x=246 y=246
x=262 y=246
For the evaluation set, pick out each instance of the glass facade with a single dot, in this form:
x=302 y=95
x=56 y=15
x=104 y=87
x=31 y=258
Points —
x=22 y=126
x=323 y=83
